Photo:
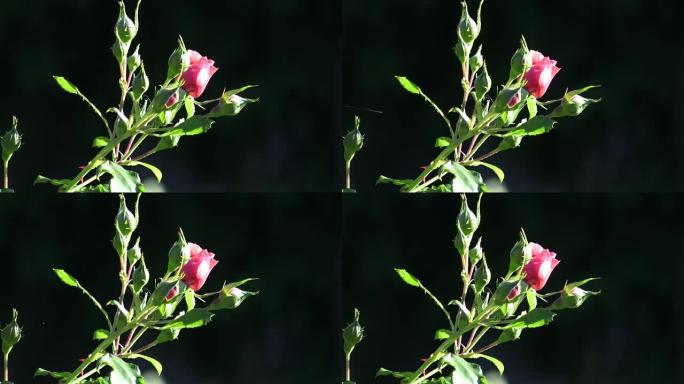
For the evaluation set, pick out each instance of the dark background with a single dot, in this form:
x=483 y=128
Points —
x=287 y=334
x=288 y=47
x=631 y=333
x=633 y=48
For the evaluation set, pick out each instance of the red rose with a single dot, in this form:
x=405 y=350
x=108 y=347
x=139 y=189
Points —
x=197 y=269
x=540 y=76
x=197 y=76
x=538 y=270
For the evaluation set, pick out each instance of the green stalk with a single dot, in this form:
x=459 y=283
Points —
x=6 y=365
x=5 y=182
x=347 y=368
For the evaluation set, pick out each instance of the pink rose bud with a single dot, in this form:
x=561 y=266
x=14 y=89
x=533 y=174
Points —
x=538 y=270
x=514 y=100
x=514 y=293
x=540 y=76
x=197 y=269
x=172 y=293
x=172 y=100
x=197 y=76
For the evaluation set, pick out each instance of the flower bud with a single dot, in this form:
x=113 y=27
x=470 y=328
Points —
x=141 y=84
x=538 y=270
x=504 y=291
x=476 y=253
x=119 y=50
x=352 y=334
x=482 y=277
x=11 y=334
x=520 y=254
x=197 y=269
x=540 y=75
x=126 y=221
x=176 y=255
x=571 y=298
x=134 y=60
x=135 y=253
x=140 y=278
x=178 y=61
x=461 y=242
x=462 y=51
x=163 y=290
x=10 y=141
x=353 y=141
x=483 y=83
x=468 y=221
x=125 y=27
x=161 y=99
x=230 y=298
x=476 y=61
x=503 y=100
x=572 y=106
x=468 y=29
x=200 y=70
x=521 y=61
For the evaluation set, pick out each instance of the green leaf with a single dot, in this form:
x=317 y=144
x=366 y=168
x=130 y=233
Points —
x=397 y=182
x=398 y=375
x=537 y=125
x=167 y=335
x=407 y=277
x=498 y=171
x=442 y=142
x=55 y=375
x=414 y=282
x=55 y=182
x=189 y=107
x=122 y=180
x=122 y=373
x=155 y=171
x=464 y=372
x=193 y=126
x=100 y=334
x=66 y=278
x=532 y=106
x=67 y=86
x=581 y=91
x=442 y=334
x=497 y=363
x=413 y=88
x=531 y=299
x=536 y=318
x=195 y=318
x=69 y=280
x=464 y=180
x=100 y=141
x=408 y=85
x=155 y=363
x=509 y=335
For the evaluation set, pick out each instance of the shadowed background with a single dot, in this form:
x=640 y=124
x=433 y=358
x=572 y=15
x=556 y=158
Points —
x=634 y=49
x=631 y=333
x=286 y=334
x=288 y=47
